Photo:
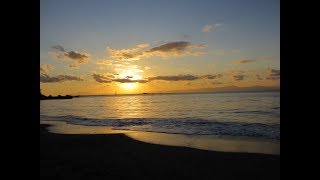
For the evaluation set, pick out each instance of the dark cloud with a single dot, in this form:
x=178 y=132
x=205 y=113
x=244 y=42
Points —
x=77 y=57
x=81 y=58
x=187 y=77
x=238 y=77
x=101 y=79
x=111 y=78
x=244 y=61
x=174 y=78
x=169 y=49
x=273 y=74
x=58 y=47
x=45 y=78
x=173 y=46
x=130 y=80
x=209 y=76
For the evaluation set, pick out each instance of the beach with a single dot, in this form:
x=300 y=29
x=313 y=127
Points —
x=114 y=156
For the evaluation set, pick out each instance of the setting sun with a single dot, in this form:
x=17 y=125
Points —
x=130 y=75
x=129 y=86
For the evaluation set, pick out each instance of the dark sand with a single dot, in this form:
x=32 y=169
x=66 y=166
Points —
x=117 y=156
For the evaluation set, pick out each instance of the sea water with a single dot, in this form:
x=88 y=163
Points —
x=227 y=114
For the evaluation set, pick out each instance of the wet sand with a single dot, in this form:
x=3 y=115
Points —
x=116 y=156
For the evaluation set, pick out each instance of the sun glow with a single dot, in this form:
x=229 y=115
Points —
x=129 y=86
x=129 y=74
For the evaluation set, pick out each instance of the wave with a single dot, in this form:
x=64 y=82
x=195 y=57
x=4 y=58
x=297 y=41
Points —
x=189 y=126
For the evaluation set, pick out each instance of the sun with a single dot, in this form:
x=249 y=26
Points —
x=129 y=86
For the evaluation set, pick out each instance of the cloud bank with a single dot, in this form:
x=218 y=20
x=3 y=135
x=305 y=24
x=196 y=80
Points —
x=111 y=78
x=45 y=78
x=174 y=78
x=180 y=48
x=101 y=79
x=128 y=79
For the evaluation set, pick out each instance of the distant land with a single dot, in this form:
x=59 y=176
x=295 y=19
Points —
x=226 y=89
x=229 y=89
x=44 y=97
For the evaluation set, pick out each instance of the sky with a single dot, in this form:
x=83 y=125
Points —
x=143 y=46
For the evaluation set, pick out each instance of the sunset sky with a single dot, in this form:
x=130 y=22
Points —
x=136 y=46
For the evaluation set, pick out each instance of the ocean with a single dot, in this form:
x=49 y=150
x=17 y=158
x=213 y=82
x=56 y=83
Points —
x=227 y=114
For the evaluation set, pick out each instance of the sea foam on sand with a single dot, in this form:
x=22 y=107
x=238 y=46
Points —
x=206 y=142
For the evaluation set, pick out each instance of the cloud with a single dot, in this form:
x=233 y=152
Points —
x=73 y=66
x=187 y=77
x=130 y=79
x=173 y=46
x=238 y=77
x=127 y=80
x=210 y=27
x=209 y=76
x=57 y=55
x=244 y=61
x=143 y=45
x=58 y=47
x=45 y=78
x=111 y=78
x=102 y=79
x=174 y=78
x=104 y=62
x=77 y=57
x=80 y=57
x=126 y=54
x=45 y=68
x=272 y=74
x=180 y=48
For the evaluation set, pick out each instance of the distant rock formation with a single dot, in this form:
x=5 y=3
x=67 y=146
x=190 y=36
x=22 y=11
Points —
x=43 y=97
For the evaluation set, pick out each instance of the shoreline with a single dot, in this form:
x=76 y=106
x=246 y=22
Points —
x=204 y=142
x=113 y=156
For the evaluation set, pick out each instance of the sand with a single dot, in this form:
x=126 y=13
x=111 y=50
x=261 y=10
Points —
x=116 y=156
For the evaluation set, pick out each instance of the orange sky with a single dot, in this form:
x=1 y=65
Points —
x=92 y=48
